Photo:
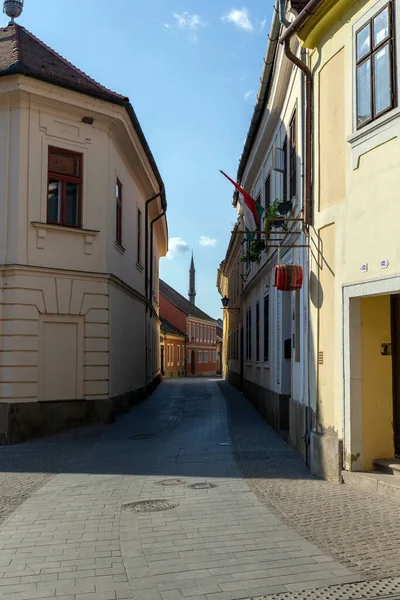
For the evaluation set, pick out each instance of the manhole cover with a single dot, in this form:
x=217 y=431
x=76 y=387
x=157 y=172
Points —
x=203 y=485
x=150 y=505
x=142 y=436
x=167 y=482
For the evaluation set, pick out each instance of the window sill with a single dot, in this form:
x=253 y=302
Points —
x=42 y=229
x=64 y=228
x=121 y=249
x=374 y=134
x=139 y=267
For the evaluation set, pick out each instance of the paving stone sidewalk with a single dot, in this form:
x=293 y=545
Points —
x=361 y=530
x=26 y=467
x=76 y=538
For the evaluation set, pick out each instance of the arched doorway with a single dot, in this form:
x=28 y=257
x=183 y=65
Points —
x=193 y=362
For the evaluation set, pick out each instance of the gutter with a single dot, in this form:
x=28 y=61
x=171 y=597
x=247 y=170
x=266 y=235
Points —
x=263 y=92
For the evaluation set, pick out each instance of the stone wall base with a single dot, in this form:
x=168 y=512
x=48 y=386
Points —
x=326 y=456
x=298 y=415
x=273 y=407
x=234 y=379
x=21 y=421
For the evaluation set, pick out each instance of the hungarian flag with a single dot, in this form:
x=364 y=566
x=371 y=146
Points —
x=252 y=211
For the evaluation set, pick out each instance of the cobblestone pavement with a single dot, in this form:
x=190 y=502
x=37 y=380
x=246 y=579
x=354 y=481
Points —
x=80 y=535
x=361 y=530
x=26 y=467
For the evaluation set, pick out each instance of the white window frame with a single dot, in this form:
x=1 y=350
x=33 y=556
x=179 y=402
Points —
x=199 y=357
x=387 y=126
x=179 y=356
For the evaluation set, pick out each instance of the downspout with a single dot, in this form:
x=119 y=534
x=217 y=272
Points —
x=285 y=39
x=146 y=243
x=282 y=13
x=151 y=253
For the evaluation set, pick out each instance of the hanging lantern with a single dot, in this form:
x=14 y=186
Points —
x=288 y=278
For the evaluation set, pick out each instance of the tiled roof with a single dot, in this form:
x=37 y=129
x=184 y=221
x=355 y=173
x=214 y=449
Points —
x=181 y=302
x=167 y=327
x=22 y=52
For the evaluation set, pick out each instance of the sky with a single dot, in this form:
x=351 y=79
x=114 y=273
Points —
x=191 y=69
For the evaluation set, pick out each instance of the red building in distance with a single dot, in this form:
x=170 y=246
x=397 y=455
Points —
x=201 y=347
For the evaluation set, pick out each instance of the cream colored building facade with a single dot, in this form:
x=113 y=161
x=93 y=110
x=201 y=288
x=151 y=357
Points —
x=355 y=249
x=266 y=343
x=79 y=332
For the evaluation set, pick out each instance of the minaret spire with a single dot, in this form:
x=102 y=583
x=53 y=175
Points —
x=192 y=282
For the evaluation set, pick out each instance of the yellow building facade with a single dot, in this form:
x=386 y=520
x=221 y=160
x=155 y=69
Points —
x=354 y=236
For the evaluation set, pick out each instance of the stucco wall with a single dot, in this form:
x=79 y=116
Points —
x=172 y=313
x=376 y=380
x=356 y=214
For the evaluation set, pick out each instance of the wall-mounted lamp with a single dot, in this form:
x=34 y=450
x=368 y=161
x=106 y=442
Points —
x=225 y=305
x=88 y=120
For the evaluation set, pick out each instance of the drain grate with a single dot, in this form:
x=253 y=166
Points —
x=142 y=436
x=203 y=485
x=150 y=505
x=380 y=589
x=170 y=482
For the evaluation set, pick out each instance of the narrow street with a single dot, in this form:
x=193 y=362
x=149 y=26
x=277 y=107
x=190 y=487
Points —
x=226 y=511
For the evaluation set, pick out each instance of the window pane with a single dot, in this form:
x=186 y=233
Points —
x=64 y=163
x=363 y=42
x=54 y=202
x=382 y=79
x=381 y=26
x=72 y=204
x=364 y=92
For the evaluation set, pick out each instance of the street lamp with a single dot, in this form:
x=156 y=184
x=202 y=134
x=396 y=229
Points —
x=225 y=305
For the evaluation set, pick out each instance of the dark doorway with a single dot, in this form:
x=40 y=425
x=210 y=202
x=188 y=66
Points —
x=395 y=323
x=193 y=363
x=162 y=360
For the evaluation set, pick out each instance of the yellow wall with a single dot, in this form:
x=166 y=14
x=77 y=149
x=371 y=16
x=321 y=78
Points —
x=356 y=183
x=332 y=132
x=376 y=380
x=326 y=327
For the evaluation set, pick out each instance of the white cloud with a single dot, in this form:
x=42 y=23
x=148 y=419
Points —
x=263 y=24
x=240 y=18
x=249 y=94
x=167 y=25
x=189 y=22
x=207 y=242
x=176 y=247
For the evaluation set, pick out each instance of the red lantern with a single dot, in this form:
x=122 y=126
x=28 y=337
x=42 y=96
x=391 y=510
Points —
x=288 y=278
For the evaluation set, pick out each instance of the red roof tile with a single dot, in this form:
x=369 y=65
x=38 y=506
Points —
x=22 y=52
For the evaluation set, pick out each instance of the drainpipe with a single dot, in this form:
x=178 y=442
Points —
x=161 y=194
x=285 y=39
x=151 y=252
x=282 y=13
x=146 y=243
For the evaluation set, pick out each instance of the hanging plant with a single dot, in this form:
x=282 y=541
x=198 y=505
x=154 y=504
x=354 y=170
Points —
x=253 y=254
x=273 y=212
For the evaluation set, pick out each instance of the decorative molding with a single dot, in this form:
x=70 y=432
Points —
x=121 y=249
x=43 y=228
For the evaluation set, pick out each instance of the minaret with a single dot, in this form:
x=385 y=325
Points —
x=192 y=282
